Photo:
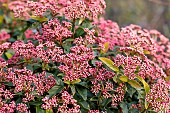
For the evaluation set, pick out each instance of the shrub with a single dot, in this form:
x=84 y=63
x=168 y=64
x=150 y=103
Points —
x=61 y=56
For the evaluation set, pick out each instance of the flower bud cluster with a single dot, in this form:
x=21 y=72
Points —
x=158 y=97
x=49 y=103
x=119 y=96
x=69 y=104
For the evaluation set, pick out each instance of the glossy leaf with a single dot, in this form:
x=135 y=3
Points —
x=146 y=52
x=124 y=107
x=82 y=91
x=109 y=63
x=1 y=19
x=146 y=104
x=39 y=110
x=41 y=19
x=72 y=82
x=146 y=86
x=75 y=81
x=167 y=78
x=123 y=78
x=135 y=84
x=73 y=89
x=8 y=55
x=106 y=48
x=84 y=104
x=49 y=111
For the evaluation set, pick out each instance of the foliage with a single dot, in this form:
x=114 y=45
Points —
x=61 y=56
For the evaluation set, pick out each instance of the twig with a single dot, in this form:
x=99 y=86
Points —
x=160 y=2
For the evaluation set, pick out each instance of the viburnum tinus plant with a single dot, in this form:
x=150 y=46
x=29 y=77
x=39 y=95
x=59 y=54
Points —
x=60 y=56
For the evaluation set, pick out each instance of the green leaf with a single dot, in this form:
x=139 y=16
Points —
x=75 y=81
x=146 y=104
x=109 y=63
x=69 y=40
x=123 y=78
x=8 y=55
x=56 y=89
x=67 y=82
x=82 y=91
x=135 y=84
x=35 y=103
x=124 y=107
x=39 y=110
x=79 y=32
x=87 y=24
x=146 y=52
x=146 y=86
x=84 y=104
x=41 y=19
x=94 y=99
x=106 y=48
x=115 y=78
x=84 y=84
x=72 y=82
x=73 y=89
x=1 y=19
x=106 y=101
x=167 y=79
x=29 y=66
x=48 y=111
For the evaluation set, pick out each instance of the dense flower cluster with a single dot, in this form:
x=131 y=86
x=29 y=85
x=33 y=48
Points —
x=63 y=58
x=72 y=9
x=54 y=31
x=158 y=97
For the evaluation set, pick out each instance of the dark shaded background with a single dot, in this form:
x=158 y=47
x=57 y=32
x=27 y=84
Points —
x=150 y=14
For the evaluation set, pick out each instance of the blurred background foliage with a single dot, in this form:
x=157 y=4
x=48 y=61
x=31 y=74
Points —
x=150 y=14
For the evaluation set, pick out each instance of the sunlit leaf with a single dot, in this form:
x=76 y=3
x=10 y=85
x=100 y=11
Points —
x=1 y=19
x=8 y=55
x=106 y=48
x=41 y=19
x=167 y=78
x=146 y=86
x=123 y=78
x=75 y=81
x=109 y=63
x=134 y=84
x=48 y=111
x=146 y=104
x=146 y=52
x=67 y=82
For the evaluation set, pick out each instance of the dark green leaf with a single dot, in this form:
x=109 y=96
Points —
x=55 y=89
x=106 y=101
x=39 y=110
x=79 y=32
x=73 y=90
x=84 y=104
x=82 y=91
x=124 y=107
